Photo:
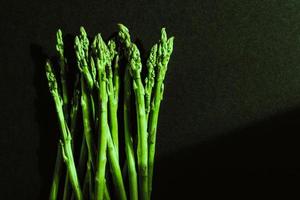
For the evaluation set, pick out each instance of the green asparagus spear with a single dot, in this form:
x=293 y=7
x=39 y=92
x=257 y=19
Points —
x=112 y=97
x=149 y=81
x=82 y=62
x=66 y=146
x=73 y=119
x=62 y=63
x=63 y=70
x=81 y=46
x=101 y=61
x=56 y=175
x=139 y=91
x=165 y=50
x=129 y=150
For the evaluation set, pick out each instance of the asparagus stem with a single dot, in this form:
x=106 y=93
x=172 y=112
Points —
x=116 y=79
x=132 y=176
x=65 y=134
x=115 y=168
x=149 y=81
x=106 y=193
x=164 y=52
x=62 y=64
x=73 y=119
x=56 y=175
x=142 y=146
x=100 y=51
x=86 y=117
x=113 y=98
x=88 y=185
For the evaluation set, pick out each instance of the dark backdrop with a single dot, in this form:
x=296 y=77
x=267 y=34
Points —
x=230 y=120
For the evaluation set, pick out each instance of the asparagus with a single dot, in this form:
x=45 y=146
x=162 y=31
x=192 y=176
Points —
x=56 y=175
x=150 y=79
x=101 y=61
x=129 y=151
x=115 y=168
x=139 y=91
x=113 y=90
x=81 y=46
x=73 y=119
x=164 y=52
x=66 y=147
x=87 y=83
x=100 y=80
x=81 y=49
x=62 y=64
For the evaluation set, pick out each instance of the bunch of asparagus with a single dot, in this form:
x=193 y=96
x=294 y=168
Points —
x=104 y=72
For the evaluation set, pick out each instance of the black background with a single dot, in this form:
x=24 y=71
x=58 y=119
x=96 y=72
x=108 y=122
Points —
x=230 y=120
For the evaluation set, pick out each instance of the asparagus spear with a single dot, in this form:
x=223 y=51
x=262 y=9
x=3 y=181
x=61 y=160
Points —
x=164 y=52
x=139 y=91
x=65 y=134
x=101 y=56
x=115 y=168
x=62 y=64
x=129 y=151
x=81 y=49
x=73 y=119
x=149 y=81
x=81 y=46
x=56 y=175
x=113 y=96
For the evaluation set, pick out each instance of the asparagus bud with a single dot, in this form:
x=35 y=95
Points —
x=124 y=35
x=149 y=81
x=81 y=51
x=84 y=41
x=52 y=83
x=59 y=43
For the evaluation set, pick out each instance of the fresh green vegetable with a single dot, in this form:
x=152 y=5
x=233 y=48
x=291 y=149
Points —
x=109 y=82
x=66 y=147
x=165 y=50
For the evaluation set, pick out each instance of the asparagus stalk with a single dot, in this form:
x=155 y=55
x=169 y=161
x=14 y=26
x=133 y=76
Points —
x=65 y=134
x=81 y=46
x=129 y=151
x=56 y=175
x=113 y=89
x=81 y=49
x=139 y=91
x=62 y=64
x=115 y=168
x=109 y=52
x=73 y=119
x=149 y=81
x=164 y=52
x=87 y=129
x=101 y=61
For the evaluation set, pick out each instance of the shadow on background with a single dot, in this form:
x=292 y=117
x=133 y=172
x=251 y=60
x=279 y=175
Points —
x=47 y=122
x=261 y=159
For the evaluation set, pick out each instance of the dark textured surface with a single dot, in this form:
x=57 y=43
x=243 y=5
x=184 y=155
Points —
x=230 y=120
